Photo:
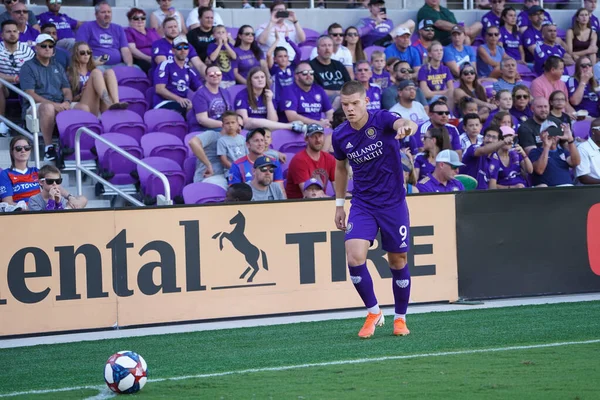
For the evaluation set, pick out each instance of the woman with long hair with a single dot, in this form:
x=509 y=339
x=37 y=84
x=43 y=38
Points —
x=510 y=37
x=140 y=38
x=210 y=102
x=470 y=87
x=502 y=118
x=353 y=42
x=249 y=55
x=521 y=98
x=581 y=39
x=435 y=79
x=165 y=10
x=558 y=105
x=514 y=164
x=410 y=177
x=434 y=141
x=96 y=90
x=490 y=54
x=583 y=88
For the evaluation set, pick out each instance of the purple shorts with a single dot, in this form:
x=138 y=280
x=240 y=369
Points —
x=392 y=222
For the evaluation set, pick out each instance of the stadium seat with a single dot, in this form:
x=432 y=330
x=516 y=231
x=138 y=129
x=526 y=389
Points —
x=234 y=90
x=161 y=144
x=311 y=37
x=115 y=168
x=287 y=141
x=132 y=77
x=569 y=70
x=581 y=129
x=151 y=185
x=124 y=121
x=330 y=190
x=189 y=169
x=187 y=139
x=67 y=123
x=136 y=100
x=369 y=50
x=168 y=121
x=286 y=164
x=525 y=72
x=306 y=50
x=233 y=31
x=200 y=193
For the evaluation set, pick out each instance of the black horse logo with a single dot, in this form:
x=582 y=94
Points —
x=241 y=243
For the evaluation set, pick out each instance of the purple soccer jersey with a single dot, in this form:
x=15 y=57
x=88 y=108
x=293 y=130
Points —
x=212 y=104
x=370 y=31
x=282 y=80
x=589 y=102
x=511 y=42
x=523 y=18
x=521 y=116
x=490 y=19
x=176 y=79
x=431 y=185
x=29 y=35
x=374 y=96
x=241 y=102
x=425 y=167
x=309 y=104
x=529 y=38
x=382 y=80
x=424 y=127
x=481 y=168
x=223 y=61
x=542 y=52
x=436 y=78
x=65 y=25
x=103 y=41
x=245 y=61
x=510 y=175
x=163 y=47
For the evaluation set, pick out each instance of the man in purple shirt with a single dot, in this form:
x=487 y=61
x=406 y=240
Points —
x=306 y=101
x=363 y=74
x=533 y=33
x=481 y=161
x=65 y=25
x=550 y=46
x=27 y=34
x=524 y=21
x=441 y=180
x=376 y=26
x=368 y=141
x=105 y=38
x=492 y=18
x=439 y=113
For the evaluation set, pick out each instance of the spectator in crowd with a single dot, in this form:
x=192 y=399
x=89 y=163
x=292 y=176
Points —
x=533 y=33
x=481 y=161
x=330 y=74
x=426 y=35
x=312 y=189
x=508 y=75
x=513 y=164
x=504 y=101
x=231 y=145
x=442 y=179
x=140 y=39
x=529 y=131
x=313 y=162
x=544 y=85
x=340 y=52
x=551 y=162
x=434 y=141
x=444 y=20
x=490 y=54
x=62 y=56
x=242 y=169
x=439 y=113
x=221 y=53
x=193 y=20
x=249 y=55
x=305 y=101
x=402 y=49
x=590 y=6
x=549 y=46
x=99 y=91
x=51 y=198
x=402 y=71
x=6 y=15
x=353 y=43
x=410 y=177
x=531 y=7
x=583 y=88
x=209 y=103
x=19 y=182
x=381 y=77
x=377 y=27
x=162 y=49
x=202 y=36
x=456 y=54
x=435 y=79
x=165 y=10
x=510 y=37
x=174 y=79
x=65 y=25
x=363 y=75
x=472 y=134
x=520 y=109
x=238 y=192
x=558 y=103
x=582 y=39
x=470 y=87
x=106 y=39
x=407 y=106
x=281 y=69
x=502 y=118
x=262 y=184
x=286 y=23
x=27 y=33
x=493 y=17
x=13 y=54
x=282 y=157
x=588 y=170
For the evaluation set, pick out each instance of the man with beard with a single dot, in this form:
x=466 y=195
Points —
x=329 y=73
x=529 y=131
x=426 y=35
x=389 y=97
x=407 y=107
x=163 y=49
x=263 y=187
x=65 y=25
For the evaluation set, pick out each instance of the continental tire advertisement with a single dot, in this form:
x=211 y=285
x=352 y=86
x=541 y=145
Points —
x=73 y=271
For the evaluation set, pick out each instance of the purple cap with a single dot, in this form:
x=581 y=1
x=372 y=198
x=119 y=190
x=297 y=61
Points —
x=313 y=181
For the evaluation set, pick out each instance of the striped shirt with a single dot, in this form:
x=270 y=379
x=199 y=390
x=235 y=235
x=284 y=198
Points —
x=11 y=63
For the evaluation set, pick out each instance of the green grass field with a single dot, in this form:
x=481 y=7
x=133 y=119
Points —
x=416 y=366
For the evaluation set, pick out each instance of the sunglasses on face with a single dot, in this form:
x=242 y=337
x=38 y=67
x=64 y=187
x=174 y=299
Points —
x=215 y=73
x=406 y=71
x=428 y=29
x=440 y=113
x=140 y=18
x=454 y=168
x=10 y=1
x=85 y=52
x=47 y=46
x=522 y=97
x=336 y=34
x=50 y=181
x=180 y=47
x=267 y=169
x=55 y=2
x=352 y=34
x=493 y=34
x=586 y=65
x=19 y=149
x=469 y=72
x=305 y=73
x=248 y=34
x=19 y=12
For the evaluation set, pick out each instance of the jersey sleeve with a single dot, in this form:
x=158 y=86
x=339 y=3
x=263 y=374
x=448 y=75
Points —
x=278 y=173
x=235 y=175
x=6 y=189
x=160 y=75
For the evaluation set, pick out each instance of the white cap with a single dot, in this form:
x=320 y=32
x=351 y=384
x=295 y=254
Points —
x=180 y=39
x=401 y=32
x=43 y=37
x=449 y=156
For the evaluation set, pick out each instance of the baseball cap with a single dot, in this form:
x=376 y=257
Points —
x=401 y=32
x=312 y=129
x=264 y=160
x=426 y=23
x=313 y=181
x=180 y=39
x=457 y=29
x=405 y=83
x=254 y=132
x=534 y=10
x=373 y=2
x=507 y=131
x=551 y=128
x=449 y=156
x=44 y=37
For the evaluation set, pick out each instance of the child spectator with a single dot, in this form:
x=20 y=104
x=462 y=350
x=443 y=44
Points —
x=504 y=102
x=231 y=145
x=313 y=189
x=51 y=198
x=381 y=76
x=221 y=54
x=558 y=104
x=281 y=68
x=272 y=152
x=472 y=134
x=466 y=105
x=481 y=161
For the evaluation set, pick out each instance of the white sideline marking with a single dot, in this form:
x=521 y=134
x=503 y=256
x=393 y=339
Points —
x=321 y=364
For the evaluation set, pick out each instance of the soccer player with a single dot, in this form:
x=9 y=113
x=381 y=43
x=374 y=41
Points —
x=369 y=141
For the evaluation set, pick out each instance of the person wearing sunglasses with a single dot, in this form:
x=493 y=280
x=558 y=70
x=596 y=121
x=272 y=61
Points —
x=470 y=87
x=426 y=35
x=533 y=32
x=62 y=55
x=340 y=52
x=444 y=20
x=51 y=196
x=588 y=170
x=442 y=180
x=582 y=39
x=490 y=54
x=19 y=182
x=210 y=102
x=531 y=7
x=65 y=25
x=263 y=187
x=6 y=15
x=162 y=49
x=521 y=98
x=140 y=38
x=583 y=88
x=550 y=46
x=402 y=71
x=165 y=10
x=249 y=54
x=27 y=33
x=439 y=114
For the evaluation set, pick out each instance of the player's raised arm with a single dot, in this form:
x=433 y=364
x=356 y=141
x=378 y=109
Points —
x=404 y=128
x=341 y=185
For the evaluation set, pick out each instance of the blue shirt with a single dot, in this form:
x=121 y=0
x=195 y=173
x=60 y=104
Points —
x=557 y=170
x=431 y=185
x=484 y=69
x=410 y=55
x=242 y=171
x=460 y=57
x=482 y=168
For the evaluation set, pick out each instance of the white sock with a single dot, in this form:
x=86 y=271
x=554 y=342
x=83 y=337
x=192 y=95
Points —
x=374 y=309
x=403 y=316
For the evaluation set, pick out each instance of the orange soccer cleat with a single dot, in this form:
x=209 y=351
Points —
x=372 y=320
x=400 y=328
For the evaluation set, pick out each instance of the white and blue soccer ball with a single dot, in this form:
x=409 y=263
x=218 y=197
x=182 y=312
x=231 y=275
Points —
x=125 y=372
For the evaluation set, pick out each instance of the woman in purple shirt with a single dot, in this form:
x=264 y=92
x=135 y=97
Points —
x=434 y=141
x=140 y=38
x=510 y=37
x=520 y=109
x=435 y=79
x=249 y=55
x=514 y=165
x=209 y=103
x=583 y=88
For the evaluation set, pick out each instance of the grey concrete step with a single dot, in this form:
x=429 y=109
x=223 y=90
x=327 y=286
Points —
x=98 y=204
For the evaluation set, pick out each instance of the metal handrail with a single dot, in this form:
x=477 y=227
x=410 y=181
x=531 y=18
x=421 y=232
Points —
x=79 y=168
x=35 y=123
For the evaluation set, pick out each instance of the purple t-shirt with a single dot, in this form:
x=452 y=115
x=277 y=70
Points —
x=530 y=37
x=481 y=168
x=436 y=78
x=29 y=35
x=164 y=48
x=521 y=116
x=177 y=80
x=511 y=175
x=425 y=126
x=212 y=104
x=374 y=155
x=65 y=25
x=241 y=103
x=374 y=96
x=589 y=102
x=308 y=104
x=102 y=41
x=142 y=42
x=490 y=19
x=523 y=18
x=223 y=61
x=431 y=185
x=245 y=61
x=282 y=79
x=511 y=42
x=383 y=79
x=425 y=167
x=370 y=31
x=542 y=52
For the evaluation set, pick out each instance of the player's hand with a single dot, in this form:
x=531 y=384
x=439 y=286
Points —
x=403 y=132
x=340 y=218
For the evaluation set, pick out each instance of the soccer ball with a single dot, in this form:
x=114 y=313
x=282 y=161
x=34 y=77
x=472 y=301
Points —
x=125 y=372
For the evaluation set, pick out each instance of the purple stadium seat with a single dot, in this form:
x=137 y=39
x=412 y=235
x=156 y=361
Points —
x=189 y=169
x=569 y=70
x=525 y=72
x=233 y=31
x=526 y=83
x=132 y=77
x=306 y=50
x=561 y=33
x=369 y=50
x=124 y=121
x=152 y=186
x=311 y=37
x=168 y=121
x=161 y=144
x=581 y=129
x=286 y=164
x=136 y=99
x=112 y=162
x=149 y=96
x=489 y=88
x=287 y=141
x=200 y=193
x=68 y=122
x=330 y=190
x=234 y=90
